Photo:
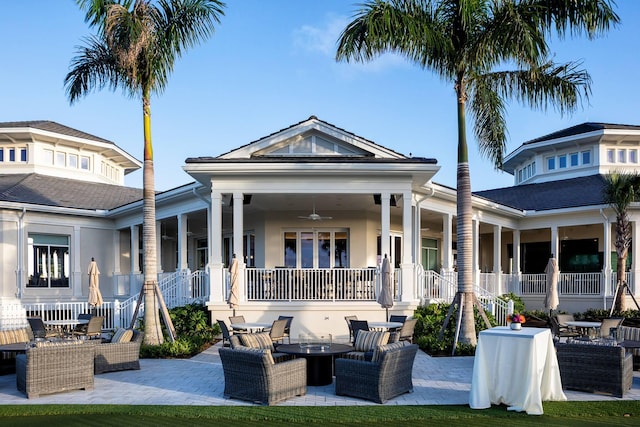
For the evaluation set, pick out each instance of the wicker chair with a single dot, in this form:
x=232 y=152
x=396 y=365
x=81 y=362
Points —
x=377 y=381
x=595 y=368
x=277 y=331
x=121 y=356
x=55 y=368
x=287 y=329
x=252 y=376
x=406 y=332
x=93 y=330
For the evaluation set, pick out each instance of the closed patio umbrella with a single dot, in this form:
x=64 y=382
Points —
x=551 y=300
x=233 y=289
x=385 y=299
x=95 y=297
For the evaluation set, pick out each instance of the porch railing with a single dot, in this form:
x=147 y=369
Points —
x=310 y=284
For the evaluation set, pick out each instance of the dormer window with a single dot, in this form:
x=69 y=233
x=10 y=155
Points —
x=551 y=163
x=562 y=161
x=586 y=157
x=633 y=156
x=573 y=159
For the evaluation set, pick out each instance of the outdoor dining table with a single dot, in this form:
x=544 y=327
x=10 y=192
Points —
x=250 y=326
x=66 y=324
x=587 y=329
x=384 y=325
x=516 y=368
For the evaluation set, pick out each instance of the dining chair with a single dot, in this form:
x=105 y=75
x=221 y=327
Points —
x=608 y=324
x=562 y=331
x=287 y=329
x=226 y=334
x=82 y=327
x=277 y=330
x=357 y=326
x=349 y=319
x=397 y=318
x=238 y=319
x=406 y=332
x=40 y=330
x=94 y=328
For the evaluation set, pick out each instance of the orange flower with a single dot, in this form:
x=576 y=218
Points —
x=516 y=318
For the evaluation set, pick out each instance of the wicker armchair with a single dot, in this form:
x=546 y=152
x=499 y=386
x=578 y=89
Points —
x=55 y=368
x=119 y=356
x=595 y=368
x=252 y=376
x=377 y=381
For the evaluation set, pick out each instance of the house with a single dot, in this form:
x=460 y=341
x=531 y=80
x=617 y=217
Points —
x=309 y=212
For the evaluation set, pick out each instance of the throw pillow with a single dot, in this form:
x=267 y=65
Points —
x=125 y=336
x=259 y=340
x=234 y=341
x=369 y=340
x=377 y=353
x=262 y=351
x=118 y=334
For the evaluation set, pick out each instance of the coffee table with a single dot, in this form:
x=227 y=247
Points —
x=319 y=361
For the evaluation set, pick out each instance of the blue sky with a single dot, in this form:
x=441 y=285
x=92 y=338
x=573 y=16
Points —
x=271 y=64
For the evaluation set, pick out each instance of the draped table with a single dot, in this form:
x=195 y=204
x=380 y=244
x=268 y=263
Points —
x=515 y=368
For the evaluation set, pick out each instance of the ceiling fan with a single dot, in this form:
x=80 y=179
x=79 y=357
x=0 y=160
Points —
x=313 y=216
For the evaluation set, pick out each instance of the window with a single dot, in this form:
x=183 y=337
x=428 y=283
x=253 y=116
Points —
x=12 y=154
x=1 y=155
x=520 y=175
x=622 y=156
x=562 y=161
x=61 y=159
x=611 y=156
x=316 y=249
x=48 y=261
x=586 y=157
x=633 y=156
x=573 y=159
x=23 y=154
x=73 y=161
x=85 y=163
x=551 y=163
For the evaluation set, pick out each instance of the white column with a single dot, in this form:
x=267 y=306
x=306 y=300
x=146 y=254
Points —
x=608 y=273
x=238 y=244
x=417 y=234
x=159 y=246
x=385 y=224
x=447 y=243
x=407 y=288
x=182 y=242
x=117 y=251
x=516 y=253
x=216 y=269
x=78 y=269
x=635 y=258
x=135 y=249
x=497 y=258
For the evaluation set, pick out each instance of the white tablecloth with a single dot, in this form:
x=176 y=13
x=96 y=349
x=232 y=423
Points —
x=515 y=368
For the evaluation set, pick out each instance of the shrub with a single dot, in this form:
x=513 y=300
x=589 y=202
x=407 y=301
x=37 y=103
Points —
x=518 y=304
x=194 y=333
x=430 y=320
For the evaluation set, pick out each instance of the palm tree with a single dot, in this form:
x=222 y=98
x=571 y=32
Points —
x=136 y=47
x=621 y=189
x=470 y=43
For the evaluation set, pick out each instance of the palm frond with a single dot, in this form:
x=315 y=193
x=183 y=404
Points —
x=576 y=17
x=489 y=112
x=94 y=67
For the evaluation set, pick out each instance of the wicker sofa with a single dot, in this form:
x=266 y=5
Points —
x=251 y=374
x=55 y=367
x=633 y=334
x=119 y=356
x=595 y=368
x=386 y=376
x=12 y=336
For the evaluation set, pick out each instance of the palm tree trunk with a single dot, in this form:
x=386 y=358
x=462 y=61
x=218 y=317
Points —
x=152 y=331
x=464 y=229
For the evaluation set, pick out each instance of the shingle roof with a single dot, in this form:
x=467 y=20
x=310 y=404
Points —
x=63 y=192
x=567 y=193
x=50 y=126
x=581 y=128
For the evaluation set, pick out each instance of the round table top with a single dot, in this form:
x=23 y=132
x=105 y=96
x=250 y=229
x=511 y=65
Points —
x=315 y=351
x=384 y=325
x=584 y=324
x=66 y=322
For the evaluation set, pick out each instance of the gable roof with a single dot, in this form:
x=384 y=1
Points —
x=567 y=193
x=312 y=123
x=65 y=193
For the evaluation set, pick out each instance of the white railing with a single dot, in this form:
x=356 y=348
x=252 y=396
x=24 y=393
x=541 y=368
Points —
x=614 y=281
x=310 y=284
x=70 y=311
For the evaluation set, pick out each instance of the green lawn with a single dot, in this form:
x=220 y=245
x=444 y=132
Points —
x=618 y=413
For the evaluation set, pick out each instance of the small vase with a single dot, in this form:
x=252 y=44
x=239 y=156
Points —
x=516 y=326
